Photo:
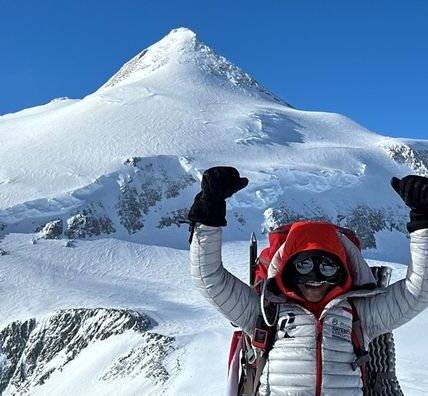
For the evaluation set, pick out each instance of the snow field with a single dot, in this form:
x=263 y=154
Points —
x=38 y=279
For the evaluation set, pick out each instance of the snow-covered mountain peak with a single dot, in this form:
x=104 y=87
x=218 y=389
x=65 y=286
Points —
x=178 y=41
x=182 y=50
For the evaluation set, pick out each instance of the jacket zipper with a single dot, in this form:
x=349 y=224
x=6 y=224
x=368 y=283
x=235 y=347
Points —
x=319 y=357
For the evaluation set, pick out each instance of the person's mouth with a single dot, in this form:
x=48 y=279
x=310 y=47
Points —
x=314 y=284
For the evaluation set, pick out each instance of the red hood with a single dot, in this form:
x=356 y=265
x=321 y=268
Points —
x=304 y=236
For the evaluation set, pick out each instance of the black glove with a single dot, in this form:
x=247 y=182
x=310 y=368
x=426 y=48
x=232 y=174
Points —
x=218 y=183
x=414 y=192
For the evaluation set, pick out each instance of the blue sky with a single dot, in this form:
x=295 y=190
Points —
x=365 y=59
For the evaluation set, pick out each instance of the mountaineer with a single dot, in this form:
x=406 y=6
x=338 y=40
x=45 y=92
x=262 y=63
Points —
x=315 y=281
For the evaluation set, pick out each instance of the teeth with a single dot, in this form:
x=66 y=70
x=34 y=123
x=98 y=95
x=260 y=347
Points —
x=314 y=284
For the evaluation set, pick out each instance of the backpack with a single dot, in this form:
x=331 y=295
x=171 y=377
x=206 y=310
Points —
x=248 y=355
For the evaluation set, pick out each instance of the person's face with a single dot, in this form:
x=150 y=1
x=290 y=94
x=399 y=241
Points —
x=314 y=276
x=313 y=291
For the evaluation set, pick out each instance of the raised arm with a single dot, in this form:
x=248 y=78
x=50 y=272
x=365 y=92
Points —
x=405 y=299
x=229 y=295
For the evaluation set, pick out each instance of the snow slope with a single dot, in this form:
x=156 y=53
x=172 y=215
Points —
x=154 y=281
x=112 y=174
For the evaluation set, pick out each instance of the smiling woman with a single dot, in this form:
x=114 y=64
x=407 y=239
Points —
x=319 y=283
x=313 y=274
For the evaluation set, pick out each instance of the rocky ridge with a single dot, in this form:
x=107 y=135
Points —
x=33 y=350
x=148 y=190
x=404 y=154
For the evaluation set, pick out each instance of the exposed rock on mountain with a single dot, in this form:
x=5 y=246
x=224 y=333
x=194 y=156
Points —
x=146 y=359
x=173 y=218
x=90 y=222
x=52 y=230
x=363 y=220
x=148 y=187
x=33 y=350
x=417 y=160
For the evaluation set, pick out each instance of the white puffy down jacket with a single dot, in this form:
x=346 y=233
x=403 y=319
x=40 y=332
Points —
x=313 y=356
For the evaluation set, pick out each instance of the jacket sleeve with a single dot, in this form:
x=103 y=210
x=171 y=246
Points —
x=403 y=300
x=229 y=295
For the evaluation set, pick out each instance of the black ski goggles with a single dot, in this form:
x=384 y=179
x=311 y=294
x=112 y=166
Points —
x=326 y=266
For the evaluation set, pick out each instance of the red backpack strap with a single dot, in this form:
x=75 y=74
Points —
x=361 y=353
x=234 y=345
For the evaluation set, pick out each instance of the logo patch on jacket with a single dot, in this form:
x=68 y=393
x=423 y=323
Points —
x=287 y=325
x=340 y=329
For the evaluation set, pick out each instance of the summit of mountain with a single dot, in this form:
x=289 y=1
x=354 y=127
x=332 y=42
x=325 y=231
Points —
x=182 y=53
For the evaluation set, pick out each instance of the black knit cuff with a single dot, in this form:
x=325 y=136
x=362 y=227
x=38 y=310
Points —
x=210 y=213
x=418 y=221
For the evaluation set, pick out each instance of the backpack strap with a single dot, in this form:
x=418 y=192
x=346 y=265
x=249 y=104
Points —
x=361 y=353
x=253 y=362
x=255 y=353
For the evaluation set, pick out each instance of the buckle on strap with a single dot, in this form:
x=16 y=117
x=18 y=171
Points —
x=363 y=358
x=251 y=356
